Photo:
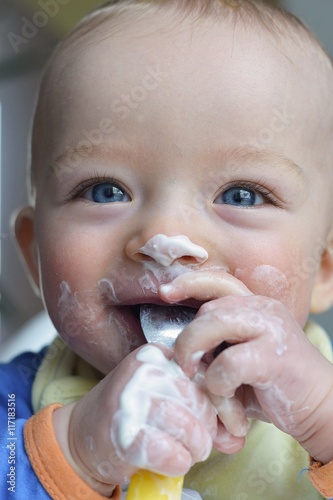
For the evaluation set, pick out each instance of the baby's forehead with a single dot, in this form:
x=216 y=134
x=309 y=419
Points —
x=157 y=32
x=108 y=39
x=137 y=21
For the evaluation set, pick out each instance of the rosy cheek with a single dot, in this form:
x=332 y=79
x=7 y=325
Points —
x=265 y=280
x=291 y=290
x=270 y=281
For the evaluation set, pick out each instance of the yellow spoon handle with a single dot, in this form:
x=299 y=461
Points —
x=147 y=485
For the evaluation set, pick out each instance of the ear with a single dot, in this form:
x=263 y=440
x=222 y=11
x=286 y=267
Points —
x=25 y=236
x=322 y=294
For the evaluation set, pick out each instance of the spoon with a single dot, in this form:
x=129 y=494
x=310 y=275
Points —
x=163 y=324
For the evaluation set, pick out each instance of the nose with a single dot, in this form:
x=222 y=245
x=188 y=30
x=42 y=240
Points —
x=165 y=250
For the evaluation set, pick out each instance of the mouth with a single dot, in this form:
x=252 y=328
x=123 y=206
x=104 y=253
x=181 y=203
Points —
x=134 y=308
x=172 y=309
x=162 y=323
x=158 y=322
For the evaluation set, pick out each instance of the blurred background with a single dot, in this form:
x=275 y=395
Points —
x=29 y=30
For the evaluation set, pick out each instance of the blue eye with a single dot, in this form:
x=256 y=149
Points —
x=106 y=192
x=240 y=197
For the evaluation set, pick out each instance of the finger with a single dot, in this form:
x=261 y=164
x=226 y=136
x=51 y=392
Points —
x=203 y=286
x=160 y=380
x=232 y=414
x=234 y=322
x=241 y=364
x=167 y=351
x=251 y=404
x=157 y=451
x=182 y=425
x=226 y=442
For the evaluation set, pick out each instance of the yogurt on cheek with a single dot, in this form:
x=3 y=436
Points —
x=270 y=281
x=265 y=280
x=101 y=336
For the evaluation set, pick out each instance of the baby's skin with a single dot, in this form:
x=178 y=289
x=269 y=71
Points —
x=231 y=153
x=252 y=378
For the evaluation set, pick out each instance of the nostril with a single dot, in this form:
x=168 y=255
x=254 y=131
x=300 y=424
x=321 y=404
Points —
x=187 y=260
x=142 y=257
x=166 y=261
x=167 y=249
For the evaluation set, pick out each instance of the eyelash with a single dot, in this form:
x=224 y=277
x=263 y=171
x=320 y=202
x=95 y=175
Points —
x=86 y=184
x=268 y=194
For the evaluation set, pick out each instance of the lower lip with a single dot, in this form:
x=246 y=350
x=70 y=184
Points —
x=129 y=317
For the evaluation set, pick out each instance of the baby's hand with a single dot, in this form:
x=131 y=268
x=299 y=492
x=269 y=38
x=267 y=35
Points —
x=271 y=371
x=145 y=414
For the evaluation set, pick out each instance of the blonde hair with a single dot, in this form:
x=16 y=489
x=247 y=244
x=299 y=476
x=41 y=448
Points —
x=278 y=22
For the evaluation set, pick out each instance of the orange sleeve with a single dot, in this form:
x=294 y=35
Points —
x=322 y=477
x=49 y=463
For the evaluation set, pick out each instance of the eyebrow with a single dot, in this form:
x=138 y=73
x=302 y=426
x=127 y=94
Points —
x=237 y=155
x=61 y=164
x=270 y=157
x=100 y=151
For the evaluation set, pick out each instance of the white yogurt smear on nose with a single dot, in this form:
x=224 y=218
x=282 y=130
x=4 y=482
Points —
x=157 y=274
x=165 y=249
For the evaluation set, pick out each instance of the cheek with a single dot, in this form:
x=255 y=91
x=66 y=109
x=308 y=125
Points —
x=97 y=334
x=62 y=260
x=69 y=279
x=74 y=254
x=282 y=279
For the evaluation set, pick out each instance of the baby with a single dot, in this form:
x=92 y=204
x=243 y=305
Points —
x=182 y=154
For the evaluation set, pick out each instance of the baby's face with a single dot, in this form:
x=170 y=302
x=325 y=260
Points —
x=201 y=134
